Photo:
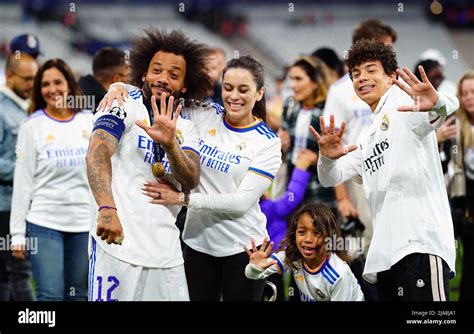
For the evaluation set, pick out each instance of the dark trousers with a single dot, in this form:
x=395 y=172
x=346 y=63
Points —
x=370 y=291
x=14 y=274
x=466 y=289
x=210 y=278
x=416 y=277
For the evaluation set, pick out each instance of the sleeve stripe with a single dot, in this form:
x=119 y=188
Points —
x=187 y=148
x=261 y=173
x=327 y=277
x=280 y=265
x=333 y=271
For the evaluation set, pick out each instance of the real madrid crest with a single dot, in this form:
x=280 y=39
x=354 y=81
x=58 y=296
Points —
x=179 y=137
x=319 y=294
x=385 y=123
x=241 y=146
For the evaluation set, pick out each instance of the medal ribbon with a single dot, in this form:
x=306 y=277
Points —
x=158 y=151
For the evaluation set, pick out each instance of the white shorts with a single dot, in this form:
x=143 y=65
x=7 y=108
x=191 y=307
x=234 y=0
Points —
x=113 y=280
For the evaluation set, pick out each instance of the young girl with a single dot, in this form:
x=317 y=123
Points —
x=314 y=256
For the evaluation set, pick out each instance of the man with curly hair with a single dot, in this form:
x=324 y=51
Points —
x=413 y=247
x=135 y=248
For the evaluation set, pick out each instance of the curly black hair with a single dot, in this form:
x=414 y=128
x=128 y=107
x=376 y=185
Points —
x=371 y=50
x=145 y=47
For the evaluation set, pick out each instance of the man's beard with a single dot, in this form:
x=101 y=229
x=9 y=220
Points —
x=147 y=93
x=22 y=94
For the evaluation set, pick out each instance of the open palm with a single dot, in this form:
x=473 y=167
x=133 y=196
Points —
x=422 y=92
x=163 y=129
x=330 y=141
x=260 y=258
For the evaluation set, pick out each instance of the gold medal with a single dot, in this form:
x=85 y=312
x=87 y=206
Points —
x=158 y=169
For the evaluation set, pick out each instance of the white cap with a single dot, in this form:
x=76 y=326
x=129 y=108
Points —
x=433 y=54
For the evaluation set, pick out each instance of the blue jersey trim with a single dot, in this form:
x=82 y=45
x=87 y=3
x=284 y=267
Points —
x=261 y=173
x=135 y=94
x=333 y=271
x=250 y=128
x=219 y=109
x=280 y=265
x=325 y=275
x=265 y=131
x=93 y=260
x=58 y=120
x=326 y=270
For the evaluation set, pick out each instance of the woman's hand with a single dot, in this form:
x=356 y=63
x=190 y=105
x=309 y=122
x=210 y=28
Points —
x=285 y=140
x=305 y=159
x=260 y=257
x=346 y=208
x=447 y=131
x=330 y=141
x=118 y=92
x=162 y=192
x=19 y=252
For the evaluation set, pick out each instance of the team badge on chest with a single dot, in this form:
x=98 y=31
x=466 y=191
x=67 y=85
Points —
x=385 y=123
x=319 y=294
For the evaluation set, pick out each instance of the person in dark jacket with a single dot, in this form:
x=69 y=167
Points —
x=108 y=66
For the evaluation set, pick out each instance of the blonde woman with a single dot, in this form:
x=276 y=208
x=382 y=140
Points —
x=462 y=184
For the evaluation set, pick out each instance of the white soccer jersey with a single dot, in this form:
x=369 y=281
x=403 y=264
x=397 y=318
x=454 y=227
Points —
x=333 y=280
x=346 y=106
x=233 y=160
x=50 y=182
x=151 y=238
x=403 y=181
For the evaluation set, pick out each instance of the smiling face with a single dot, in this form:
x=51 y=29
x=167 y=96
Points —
x=165 y=74
x=467 y=96
x=309 y=241
x=302 y=85
x=371 y=82
x=239 y=94
x=54 y=88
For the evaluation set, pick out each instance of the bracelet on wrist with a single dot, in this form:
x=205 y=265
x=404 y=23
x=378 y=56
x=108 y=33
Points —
x=107 y=207
x=185 y=197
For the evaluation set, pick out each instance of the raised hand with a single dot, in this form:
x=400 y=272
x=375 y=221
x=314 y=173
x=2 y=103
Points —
x=163 y=129
x=260 y=258
x=117 y=92
x=330 y=141
x=422 y=92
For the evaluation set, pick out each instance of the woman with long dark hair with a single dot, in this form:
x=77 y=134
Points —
x=51 y=201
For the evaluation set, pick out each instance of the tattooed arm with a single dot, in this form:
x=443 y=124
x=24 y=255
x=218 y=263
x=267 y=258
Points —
x=99 y=173
x=185 y=165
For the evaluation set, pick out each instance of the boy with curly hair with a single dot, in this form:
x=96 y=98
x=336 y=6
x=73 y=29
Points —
x=412 y=250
